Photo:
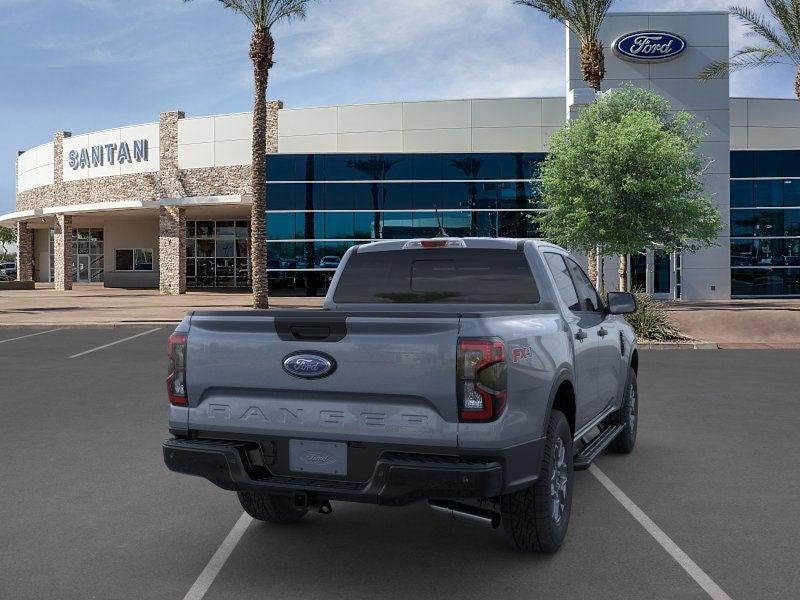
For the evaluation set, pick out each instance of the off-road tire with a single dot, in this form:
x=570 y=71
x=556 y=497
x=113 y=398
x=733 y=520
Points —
x=270 y=508
x=528 y=517
x=626 y=440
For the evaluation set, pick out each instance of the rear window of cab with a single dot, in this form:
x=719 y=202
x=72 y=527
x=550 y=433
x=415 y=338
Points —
x=437 y=276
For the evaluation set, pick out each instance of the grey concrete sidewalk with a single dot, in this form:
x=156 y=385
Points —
x=771 y=324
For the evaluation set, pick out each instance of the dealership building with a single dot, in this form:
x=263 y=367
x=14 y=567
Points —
x=167 y=204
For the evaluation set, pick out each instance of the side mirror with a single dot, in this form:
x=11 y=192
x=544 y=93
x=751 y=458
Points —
x=621 y=303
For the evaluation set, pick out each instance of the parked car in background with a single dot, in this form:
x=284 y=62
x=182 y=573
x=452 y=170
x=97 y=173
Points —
x=474 y=374
x=329 y=262
x=8 y=271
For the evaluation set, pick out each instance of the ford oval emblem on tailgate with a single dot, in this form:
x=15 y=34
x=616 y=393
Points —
x=309 y=365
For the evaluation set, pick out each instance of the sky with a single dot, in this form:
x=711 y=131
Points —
x=86 y=65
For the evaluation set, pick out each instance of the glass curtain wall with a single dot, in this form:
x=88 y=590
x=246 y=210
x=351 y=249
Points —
x=217 y=254
x=765 y=223
x=319 y=205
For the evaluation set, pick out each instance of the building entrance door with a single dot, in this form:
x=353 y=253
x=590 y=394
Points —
x=638 y=271
x=87 y=255
x=83 y=269
x=662 y=273
x=656 y=272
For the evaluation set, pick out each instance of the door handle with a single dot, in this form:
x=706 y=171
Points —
x=602 y=332
x=581 y=335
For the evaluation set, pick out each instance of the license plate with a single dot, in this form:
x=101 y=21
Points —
x=327 y=458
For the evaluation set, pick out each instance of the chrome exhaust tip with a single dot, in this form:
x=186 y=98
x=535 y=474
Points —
x=466 y=513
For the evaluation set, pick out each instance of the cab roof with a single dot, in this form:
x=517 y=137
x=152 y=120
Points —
x=476 y=242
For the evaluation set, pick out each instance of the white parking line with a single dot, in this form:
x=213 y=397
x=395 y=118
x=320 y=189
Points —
x=22 y=337
x=688 y=565
x=114 y=343
x=214 y=566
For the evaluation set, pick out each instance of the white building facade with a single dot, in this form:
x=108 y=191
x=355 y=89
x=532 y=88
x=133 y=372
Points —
x=167 y=204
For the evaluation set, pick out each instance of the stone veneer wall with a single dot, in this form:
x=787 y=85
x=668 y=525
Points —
x=62 y=250
x=172 y=250
x=24 y=252
x=217 y=181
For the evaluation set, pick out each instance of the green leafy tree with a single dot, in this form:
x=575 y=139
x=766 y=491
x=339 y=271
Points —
x=778 y=40
x=626 y=175
x=584 y=19
x=7 y=237
x=263 y=15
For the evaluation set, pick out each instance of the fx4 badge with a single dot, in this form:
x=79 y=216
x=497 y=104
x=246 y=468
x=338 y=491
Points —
x=520 y=354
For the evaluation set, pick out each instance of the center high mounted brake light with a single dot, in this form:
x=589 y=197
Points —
x=435 y=243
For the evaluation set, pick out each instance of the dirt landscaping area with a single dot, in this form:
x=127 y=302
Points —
x=741 y=323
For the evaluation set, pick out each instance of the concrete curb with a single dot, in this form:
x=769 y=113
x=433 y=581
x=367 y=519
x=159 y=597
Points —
x=648 y=345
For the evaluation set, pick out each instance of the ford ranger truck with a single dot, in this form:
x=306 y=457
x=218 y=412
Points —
x=473 y=374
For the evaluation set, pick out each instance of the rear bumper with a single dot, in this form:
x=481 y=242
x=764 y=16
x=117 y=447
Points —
x=399 y=478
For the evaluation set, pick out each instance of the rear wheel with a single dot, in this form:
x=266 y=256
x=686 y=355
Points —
x=270 y=507
x=629 y=417
x=536 y=518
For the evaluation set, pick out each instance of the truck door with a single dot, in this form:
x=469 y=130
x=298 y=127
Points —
x=584 y=324
x=610 y=364
x=593 y=314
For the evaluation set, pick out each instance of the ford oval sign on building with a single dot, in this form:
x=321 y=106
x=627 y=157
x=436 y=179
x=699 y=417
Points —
x=309 y=365
x=649 y=46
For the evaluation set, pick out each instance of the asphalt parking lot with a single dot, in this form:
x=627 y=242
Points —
x=87 y=509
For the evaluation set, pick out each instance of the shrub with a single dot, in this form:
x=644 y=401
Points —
x=651 y=321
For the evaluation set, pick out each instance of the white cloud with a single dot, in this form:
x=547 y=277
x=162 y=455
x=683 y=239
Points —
x=452 y=48
x=430 y=49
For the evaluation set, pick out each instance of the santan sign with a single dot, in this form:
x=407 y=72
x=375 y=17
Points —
x=649 y=46
x=97 y=156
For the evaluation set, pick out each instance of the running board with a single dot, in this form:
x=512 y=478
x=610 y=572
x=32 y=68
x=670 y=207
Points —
x=586 y=457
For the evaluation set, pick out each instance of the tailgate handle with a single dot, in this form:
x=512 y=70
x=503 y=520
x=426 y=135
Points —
x=310 y=332
x=307 y=330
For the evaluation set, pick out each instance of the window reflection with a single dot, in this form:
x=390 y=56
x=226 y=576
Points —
x=765 y=263
x=403 y=167
x=217 y=253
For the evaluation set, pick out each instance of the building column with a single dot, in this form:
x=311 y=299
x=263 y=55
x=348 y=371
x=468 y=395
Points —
x=171 y=219
x=62 y=251
x=168 y=172
x=24 y=252
x=171 y=250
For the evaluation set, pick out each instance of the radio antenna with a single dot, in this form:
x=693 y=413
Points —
x=442 y=233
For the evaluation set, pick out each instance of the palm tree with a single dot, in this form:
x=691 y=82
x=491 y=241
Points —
x=779 y=38
x=263 y=15
x=584 y=19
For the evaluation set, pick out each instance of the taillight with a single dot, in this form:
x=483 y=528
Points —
x=482 y=379
x=176 y=379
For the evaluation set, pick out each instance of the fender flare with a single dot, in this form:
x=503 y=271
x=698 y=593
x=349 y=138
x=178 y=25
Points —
x=563 y=374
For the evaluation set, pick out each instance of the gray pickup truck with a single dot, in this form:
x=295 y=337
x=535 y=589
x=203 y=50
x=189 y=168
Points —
x=474 y=374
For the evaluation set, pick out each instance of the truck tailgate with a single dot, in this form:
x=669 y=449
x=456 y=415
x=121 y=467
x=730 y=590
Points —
x=394 y=377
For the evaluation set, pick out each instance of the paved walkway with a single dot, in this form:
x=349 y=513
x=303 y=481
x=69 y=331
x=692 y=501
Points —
x=745 y=323
x=89 y=304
